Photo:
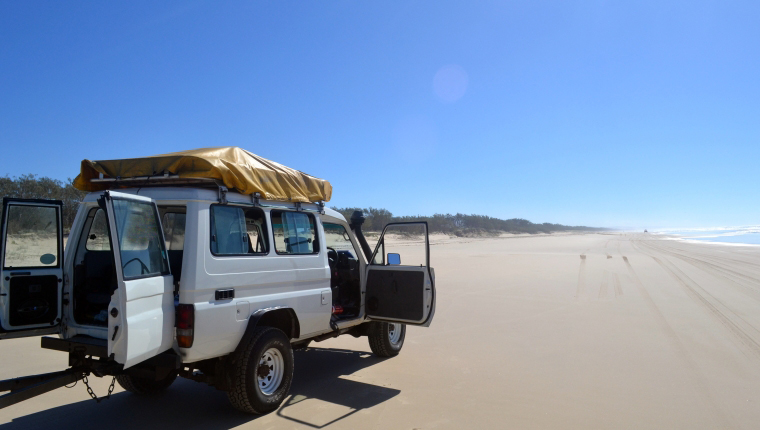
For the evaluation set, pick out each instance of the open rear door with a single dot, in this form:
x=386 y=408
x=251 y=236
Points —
x=141 y=314
x=32 y=267
x=400 y=284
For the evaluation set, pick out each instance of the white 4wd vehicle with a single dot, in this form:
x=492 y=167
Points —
x=219 y=287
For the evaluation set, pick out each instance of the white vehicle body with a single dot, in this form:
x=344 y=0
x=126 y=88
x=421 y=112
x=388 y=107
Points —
x=227 y=292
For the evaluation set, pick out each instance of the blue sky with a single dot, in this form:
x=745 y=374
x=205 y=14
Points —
x=624 y=114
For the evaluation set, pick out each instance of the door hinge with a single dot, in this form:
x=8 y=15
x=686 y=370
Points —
x=222 y=195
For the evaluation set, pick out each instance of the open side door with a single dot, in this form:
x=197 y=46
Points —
x=141 y=313
x=400 y=284
x=31 y=275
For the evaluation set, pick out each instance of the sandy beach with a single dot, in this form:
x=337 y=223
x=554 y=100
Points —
x=572 y=331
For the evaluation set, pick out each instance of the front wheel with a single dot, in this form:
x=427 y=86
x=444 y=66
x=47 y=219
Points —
x=262 y=372
x=386 y=339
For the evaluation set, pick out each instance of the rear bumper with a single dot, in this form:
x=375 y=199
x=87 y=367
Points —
x=83 y=345
x=84 y=350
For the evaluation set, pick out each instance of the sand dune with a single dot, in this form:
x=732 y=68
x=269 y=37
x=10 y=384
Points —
x=551 y=332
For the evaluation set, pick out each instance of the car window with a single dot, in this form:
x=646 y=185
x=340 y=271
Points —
x=97 y=239
x=407 y=243
x=294 y=233
x=174 y=230
x=236 y=231
x=337 y=238
x=256 y=228
x=32 y=236
x=140 y=243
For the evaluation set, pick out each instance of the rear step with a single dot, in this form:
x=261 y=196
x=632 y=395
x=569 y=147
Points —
x=85 y=345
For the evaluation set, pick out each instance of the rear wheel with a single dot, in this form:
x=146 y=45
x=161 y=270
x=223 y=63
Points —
x=145 y=386
x=386 y=339
x=262 y=372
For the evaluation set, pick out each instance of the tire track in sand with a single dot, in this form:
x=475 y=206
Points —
x=606 y=251
x=744 y=333
x=735 y=324
x=744 y=284
x=605 y=284
x=581 y=278
x=616 y=282
x=681 y=351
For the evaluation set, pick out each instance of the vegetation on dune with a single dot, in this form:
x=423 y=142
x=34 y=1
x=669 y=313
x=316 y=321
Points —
x=460 y=224
x=34 y=187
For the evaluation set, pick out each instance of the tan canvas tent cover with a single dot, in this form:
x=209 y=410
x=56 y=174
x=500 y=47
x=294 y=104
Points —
x=236 y=168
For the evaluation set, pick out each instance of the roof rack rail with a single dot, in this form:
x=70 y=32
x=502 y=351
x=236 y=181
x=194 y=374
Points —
x=155 y=180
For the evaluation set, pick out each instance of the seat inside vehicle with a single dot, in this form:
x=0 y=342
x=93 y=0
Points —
x=345 y=281
x=94 y=278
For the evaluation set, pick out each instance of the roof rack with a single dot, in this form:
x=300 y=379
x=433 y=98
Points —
x=174 y=180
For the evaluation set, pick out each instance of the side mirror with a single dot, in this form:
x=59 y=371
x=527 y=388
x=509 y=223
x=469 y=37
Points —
x=394 y=259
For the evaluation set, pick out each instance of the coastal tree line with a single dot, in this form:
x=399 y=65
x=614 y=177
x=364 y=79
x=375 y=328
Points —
x=459 y=224
x=35 y=187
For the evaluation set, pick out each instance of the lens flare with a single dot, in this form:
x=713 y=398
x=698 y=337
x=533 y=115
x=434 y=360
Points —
x=450 y=83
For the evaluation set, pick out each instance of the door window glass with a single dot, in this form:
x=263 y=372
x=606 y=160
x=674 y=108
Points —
x=337 y=238
x=294 y=233
x=407 y=241
x=235 y=231
x=256 y=229
x=174 y=230
x=140 y=243
x=97 y=239
x=32 y=236
x=380 y=256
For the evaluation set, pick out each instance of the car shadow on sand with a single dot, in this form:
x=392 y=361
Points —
x=188 y=404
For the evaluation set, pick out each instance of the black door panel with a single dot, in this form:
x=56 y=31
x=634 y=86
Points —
x=33 y=300
x=396 y=294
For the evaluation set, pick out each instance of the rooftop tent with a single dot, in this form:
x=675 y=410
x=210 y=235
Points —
x=233 y=167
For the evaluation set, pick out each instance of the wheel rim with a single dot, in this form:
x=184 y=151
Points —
x=270 y=370
x=394 y=333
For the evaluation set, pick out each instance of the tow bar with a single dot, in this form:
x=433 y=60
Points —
x=26 y=387
x=85 y=358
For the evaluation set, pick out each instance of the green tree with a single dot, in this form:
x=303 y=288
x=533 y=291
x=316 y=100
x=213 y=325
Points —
x=31 y=186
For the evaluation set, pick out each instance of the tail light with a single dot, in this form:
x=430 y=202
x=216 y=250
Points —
x=185 y=325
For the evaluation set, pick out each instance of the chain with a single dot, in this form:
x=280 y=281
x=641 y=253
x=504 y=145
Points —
x=92 y=393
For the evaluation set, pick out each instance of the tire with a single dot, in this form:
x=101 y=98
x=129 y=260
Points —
x=144 y=386
x=251 y=391
x=386 y=339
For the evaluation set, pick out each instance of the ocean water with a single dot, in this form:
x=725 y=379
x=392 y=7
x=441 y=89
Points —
x=749 y=235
